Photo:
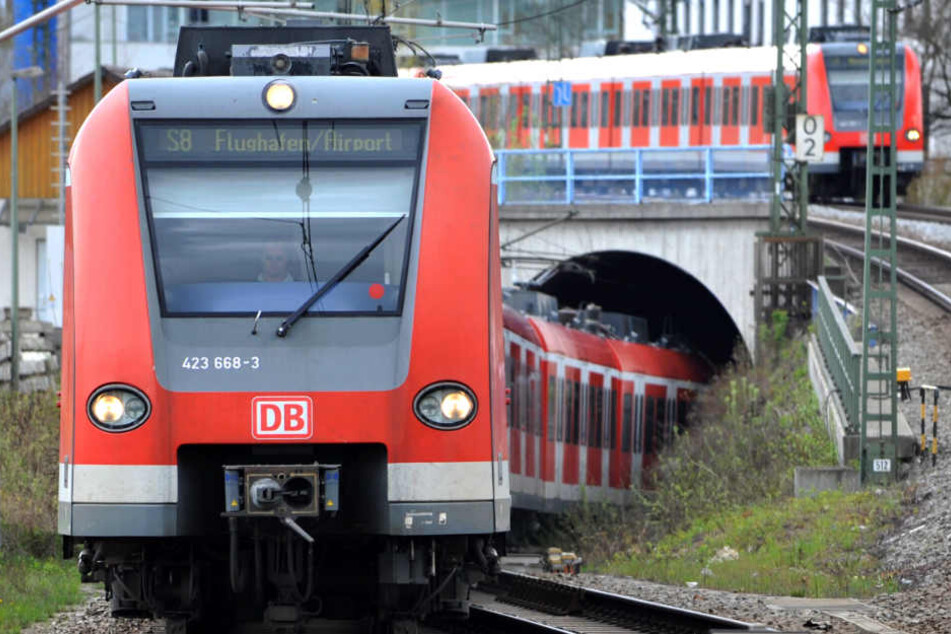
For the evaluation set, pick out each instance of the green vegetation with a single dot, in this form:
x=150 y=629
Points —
x=810 y=547
x=33 y=583
x=34 y=589
x=726 y=482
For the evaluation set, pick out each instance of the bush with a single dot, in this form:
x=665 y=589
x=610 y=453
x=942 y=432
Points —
x=29 y=468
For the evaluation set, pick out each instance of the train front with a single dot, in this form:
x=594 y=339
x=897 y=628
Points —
x=282 y=345
x=839 y=90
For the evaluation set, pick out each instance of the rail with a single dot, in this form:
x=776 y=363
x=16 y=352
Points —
x=633 y=175
x=843 y=357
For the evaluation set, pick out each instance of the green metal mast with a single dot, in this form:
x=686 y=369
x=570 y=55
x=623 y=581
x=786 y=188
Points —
x=879 y=401
x=786 y=257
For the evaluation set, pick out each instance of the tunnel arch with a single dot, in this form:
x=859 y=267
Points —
x=671 y=299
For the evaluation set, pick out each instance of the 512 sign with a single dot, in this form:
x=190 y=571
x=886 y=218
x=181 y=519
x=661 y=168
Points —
x=810 y=137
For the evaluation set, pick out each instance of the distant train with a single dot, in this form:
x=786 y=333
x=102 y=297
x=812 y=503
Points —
x=682 y=99
x=588 y=413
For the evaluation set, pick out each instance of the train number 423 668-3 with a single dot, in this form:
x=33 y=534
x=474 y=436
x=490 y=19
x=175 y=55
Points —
x=221 y=363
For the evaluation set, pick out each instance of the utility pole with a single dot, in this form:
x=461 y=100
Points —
x=787 y=257
x=878 y=400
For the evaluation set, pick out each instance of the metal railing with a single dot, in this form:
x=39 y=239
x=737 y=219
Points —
x=842 y=355
x=633 y=175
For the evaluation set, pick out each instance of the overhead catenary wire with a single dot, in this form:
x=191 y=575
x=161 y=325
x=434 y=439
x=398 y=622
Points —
x=528 y=18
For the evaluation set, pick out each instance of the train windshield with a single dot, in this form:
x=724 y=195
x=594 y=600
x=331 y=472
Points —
x=848 y=85
x=257 y=216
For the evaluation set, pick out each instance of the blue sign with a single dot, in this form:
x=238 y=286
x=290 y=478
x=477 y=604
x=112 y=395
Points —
x=561 y=94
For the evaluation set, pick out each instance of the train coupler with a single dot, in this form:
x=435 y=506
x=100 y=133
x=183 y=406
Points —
x=302 y=490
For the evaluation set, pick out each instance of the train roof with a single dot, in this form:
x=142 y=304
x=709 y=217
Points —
x=712 y=61
x=575 y=344
x=654 y=361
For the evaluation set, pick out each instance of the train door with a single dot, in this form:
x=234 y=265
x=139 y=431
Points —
x=595 y=428
x=580 y=116
x=518 y=130
x=570 y=447
x=730 y=111
x=670 y=113
x=609 y=130
x=514 y=381
x=655 y=407
x=701 y=103
x=533 y=427
x=641 y=114
x=551 y=120
x=759 y=93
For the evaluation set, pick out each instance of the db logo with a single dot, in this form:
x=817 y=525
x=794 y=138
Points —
x=284 y=417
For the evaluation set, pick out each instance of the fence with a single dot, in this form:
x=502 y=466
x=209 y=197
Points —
x=633 y=175
x=842 y=355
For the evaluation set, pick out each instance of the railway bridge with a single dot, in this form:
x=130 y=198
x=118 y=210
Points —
x=673 y=243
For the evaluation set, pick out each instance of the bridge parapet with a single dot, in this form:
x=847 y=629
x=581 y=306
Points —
x=633 y=175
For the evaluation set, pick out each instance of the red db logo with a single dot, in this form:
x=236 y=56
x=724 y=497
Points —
x=284 y=417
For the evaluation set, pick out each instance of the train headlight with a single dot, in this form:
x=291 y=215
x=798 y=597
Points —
x=279 y=96
x=862 y=48
x=446 y=405
x=117 y=408
x=913 y=134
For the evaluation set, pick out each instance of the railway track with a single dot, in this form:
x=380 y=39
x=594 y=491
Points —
x=922 y=267
x=906 y=211
x=520 y=603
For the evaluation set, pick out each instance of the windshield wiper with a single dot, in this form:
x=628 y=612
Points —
x=338 y=277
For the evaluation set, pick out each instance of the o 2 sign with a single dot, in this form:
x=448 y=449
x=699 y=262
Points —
x=282 y=417
x=810 y=137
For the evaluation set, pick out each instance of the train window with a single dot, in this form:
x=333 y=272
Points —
x=638 y=424
x=674 y=105
x=645 y=107
x=546 y=113
x=734 y=104
x=483 y=109
x=767 y=107
x=576 y=413
x=584 y=121
x=617 y=108
x=665 y=106
x=526 y=109
x=612 y=418
x=534 y=406
x=754 y=105
x=552 y=407
x=725 y=105
x=694 y=105
x=511 y=116
x=605 y=109
x=650 y=425
x=707 y=105
x=574 y=109
x=562 y=414
x=225 y=210
x=636 y=109
x=627 y=410
x=660 y=422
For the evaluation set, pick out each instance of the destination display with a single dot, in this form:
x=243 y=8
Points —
x=278 y=141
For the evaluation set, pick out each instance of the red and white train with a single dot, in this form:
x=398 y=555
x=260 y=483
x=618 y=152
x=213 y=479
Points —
x=588 y=413
x=714 y=97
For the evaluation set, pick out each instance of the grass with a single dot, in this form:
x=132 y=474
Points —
x=34 y=589
x=810 y=547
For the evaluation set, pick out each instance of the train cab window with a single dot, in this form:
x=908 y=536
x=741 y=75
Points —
x=605 y=109
x=617 y=108
x=226 y=201
x=584 y=122
x=627 y=410
x=708 y=105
